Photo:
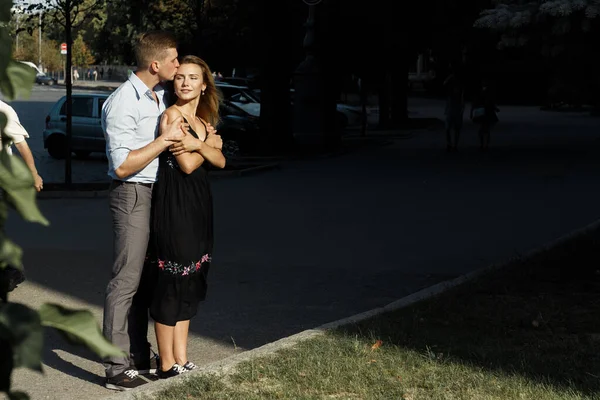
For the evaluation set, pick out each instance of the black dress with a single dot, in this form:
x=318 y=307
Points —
x=181 y=240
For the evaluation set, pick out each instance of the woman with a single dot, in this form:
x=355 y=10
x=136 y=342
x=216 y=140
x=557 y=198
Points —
x=181 y=239
x=483 y=112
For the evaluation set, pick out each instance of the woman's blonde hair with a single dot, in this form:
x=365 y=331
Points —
x=208 y=107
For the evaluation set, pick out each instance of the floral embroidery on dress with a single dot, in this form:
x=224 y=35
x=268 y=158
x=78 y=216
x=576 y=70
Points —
x=182 y=269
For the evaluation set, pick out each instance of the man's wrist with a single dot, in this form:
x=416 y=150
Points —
x=164 y=144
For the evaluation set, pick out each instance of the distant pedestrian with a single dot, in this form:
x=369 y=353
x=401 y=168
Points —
x=483 y=112
x=95 y=73
x=455 y=107
x=75 y=75
x=102 y=73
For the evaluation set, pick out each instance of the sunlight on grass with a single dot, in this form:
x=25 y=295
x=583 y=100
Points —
x=334 y=367
x=529 y=331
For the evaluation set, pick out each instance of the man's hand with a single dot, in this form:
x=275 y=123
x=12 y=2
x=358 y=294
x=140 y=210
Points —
x=214 y=141
x=38 y=182
x=187 y=145
x=172 y=131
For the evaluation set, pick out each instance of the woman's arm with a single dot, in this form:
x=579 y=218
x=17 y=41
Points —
x=188 y=162
x=213 y=154
x=209 y=149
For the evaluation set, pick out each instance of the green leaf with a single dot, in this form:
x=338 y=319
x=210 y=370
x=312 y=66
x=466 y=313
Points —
x=10 y=253
x=23 y=329
x=16 y=180
x=80 y=327
x=17 y=79
x=18 y=396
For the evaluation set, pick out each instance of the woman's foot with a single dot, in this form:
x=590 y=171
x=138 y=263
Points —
x=190 y=366
x=175 y=370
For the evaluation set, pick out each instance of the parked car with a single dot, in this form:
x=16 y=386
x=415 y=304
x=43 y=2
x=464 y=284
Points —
x=43 y=79
x=86 y=136
x=248 y=82
x=347 y=115
x=237 y=128
x=241 y=96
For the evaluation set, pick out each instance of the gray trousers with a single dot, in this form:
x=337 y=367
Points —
x=125 y=313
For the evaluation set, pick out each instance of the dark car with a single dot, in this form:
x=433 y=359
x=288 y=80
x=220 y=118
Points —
x=238 y=129
x=249 y=82
x=45 y=80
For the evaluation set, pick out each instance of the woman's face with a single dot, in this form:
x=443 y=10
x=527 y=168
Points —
x=189 y=82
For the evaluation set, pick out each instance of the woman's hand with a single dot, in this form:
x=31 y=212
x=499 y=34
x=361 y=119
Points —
x=214 y=141
x=188 y=144
x=210 y=130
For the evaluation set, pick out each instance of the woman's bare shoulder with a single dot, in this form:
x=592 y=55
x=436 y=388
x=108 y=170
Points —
x=173 y=112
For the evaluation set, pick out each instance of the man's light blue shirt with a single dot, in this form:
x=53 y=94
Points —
x=130 y=120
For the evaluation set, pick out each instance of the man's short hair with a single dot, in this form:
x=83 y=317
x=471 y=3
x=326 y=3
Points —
x=153 y=46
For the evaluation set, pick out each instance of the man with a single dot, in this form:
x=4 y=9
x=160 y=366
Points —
x=15 y=131
x=130 y=119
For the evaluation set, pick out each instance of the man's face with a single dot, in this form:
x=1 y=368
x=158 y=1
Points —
x=167 y=67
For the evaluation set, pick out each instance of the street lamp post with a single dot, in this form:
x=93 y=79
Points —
x=309 y=119
x=39 y=40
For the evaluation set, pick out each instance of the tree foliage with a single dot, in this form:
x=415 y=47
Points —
x=548 y=23
x=82 y=56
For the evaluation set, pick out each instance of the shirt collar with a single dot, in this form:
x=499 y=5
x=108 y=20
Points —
x=141 y=88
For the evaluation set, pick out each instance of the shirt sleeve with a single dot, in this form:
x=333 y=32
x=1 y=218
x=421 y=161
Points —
x=119 y=120
x=13 y=128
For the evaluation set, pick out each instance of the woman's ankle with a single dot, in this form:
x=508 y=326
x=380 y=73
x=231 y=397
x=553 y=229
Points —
x=166 y=365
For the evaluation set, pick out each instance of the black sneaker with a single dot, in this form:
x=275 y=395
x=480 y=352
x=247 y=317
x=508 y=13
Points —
x=175 y=370
x=150 y=366
x=190 y=366
x=126 y=380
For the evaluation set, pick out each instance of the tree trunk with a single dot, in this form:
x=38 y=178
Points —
x=399 y=88
x=363 y=93
x=67 y=11
x=275 y=109
x=383 y=86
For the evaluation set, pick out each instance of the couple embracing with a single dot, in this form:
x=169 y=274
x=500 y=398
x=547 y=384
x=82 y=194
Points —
x=160 y=144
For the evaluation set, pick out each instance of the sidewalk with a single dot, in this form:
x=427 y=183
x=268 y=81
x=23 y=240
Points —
x=96 y=85
x=323 y=239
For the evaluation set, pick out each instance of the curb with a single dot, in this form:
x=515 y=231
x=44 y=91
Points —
x=226 y=365
x=86 y=194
